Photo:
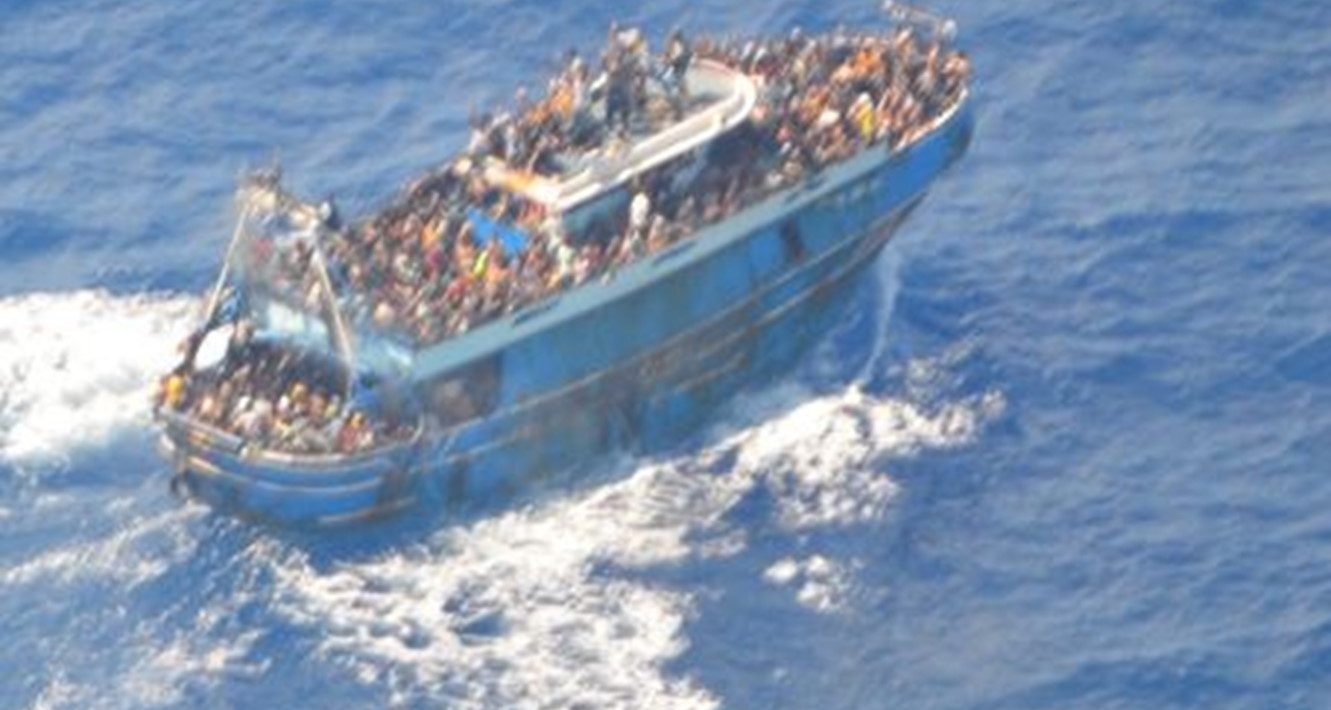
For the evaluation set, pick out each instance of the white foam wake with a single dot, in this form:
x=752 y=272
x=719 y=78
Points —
x=822 y=582
x=136 y=552
x=887 y=284
x=158 y=656
x=76 y=366
x=538 y=607
x=534 y=608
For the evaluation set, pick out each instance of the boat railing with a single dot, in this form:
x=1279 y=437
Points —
x=739 y=95
x=197 y=434
x=943 y=117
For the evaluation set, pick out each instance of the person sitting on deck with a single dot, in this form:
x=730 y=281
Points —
x=354 y=435
x=618 y=86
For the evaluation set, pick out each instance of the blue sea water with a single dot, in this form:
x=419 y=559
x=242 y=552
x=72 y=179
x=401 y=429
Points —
x=1071 y=447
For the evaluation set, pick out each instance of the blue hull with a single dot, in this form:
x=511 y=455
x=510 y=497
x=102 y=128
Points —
x=634 y=362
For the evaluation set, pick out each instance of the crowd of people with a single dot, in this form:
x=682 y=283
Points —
x=275 y=399
x=422 y=267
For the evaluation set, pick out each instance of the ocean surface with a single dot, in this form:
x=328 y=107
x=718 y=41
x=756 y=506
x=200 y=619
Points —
x=1070 y=448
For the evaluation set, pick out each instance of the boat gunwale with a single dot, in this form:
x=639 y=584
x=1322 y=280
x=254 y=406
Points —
x=242 y=449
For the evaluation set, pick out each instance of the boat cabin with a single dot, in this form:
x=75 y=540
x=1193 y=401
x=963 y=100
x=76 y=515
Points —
x=719 y=98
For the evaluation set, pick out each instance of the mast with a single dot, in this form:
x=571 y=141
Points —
x=337 y=325
x=215 y=297
x=261 y=194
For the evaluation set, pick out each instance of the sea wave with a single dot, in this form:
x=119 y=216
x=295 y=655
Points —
x=551 y=604
x=76 y=367
x=544 y=606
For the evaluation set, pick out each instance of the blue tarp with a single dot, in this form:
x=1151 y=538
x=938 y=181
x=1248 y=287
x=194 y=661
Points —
x=487 y=229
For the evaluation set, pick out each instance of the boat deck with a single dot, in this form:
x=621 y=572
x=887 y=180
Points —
x=721 y=98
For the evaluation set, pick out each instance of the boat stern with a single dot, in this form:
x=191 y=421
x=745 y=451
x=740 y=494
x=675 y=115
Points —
x=289 y=490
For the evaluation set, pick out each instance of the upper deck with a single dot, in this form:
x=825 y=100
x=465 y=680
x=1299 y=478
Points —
x=931 y=148
x=502 y=227
x=720 y=98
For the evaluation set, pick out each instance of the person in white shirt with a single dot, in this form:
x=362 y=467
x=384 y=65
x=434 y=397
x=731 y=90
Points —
x=640 y=211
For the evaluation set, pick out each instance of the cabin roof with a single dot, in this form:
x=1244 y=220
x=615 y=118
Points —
x=729 y=97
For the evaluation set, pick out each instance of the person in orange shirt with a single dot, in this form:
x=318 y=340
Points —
x=561 y=102
x=432 y=233
x=495 y=268
x=868 y=64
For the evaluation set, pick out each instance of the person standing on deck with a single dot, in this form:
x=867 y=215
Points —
x=618 y=93
x=640 y=211
x=678 y=56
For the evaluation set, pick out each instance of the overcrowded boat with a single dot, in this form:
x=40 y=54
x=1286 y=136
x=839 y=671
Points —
x=604 y=262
